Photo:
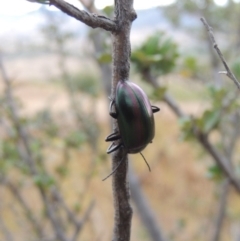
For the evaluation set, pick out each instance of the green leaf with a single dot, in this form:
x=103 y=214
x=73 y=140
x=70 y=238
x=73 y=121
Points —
x=9 y=157
x=75 y=139
x=158 y=54
x=43 y=180
x=108 y=10
x=186 y=125
x=158 y=93
x=236 y=68
x=190 y=63
x=209 y=120
x=104 y=58
x=218 y=95
x=86 y=83
x=62 y=170
x=77 y=207
x=214 y=172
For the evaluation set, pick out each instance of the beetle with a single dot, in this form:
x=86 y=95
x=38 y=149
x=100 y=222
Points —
x=134 y=115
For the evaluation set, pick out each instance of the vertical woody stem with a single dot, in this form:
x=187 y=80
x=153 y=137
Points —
x=124 y=15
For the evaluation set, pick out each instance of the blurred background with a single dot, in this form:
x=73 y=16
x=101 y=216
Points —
x=55 y=79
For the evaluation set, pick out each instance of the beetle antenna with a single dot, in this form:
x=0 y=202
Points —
x=114 y=169
x=145 y=161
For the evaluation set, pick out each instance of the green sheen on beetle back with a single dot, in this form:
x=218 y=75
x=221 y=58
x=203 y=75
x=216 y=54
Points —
x=135 y=116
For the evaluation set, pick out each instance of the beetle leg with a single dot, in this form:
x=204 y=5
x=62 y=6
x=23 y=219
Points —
x=155 y=109
x=111 y=113
x=113 y=137
x=113 y=147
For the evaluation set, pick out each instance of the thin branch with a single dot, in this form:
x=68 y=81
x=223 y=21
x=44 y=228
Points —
x=147 y=76
x=228 y=71
x=57 y=196
x=221 y=210
x=15 y=118
x=71 y=216
x=219 y=159
x=202 y=138
x=98 y=38
x=51 y=214
x=146 y=213
x=25 y=152
x=90 y=19
x=29 y=213
x=84 y=219
x=231 y=134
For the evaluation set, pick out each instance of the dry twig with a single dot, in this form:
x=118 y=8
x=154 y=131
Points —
x=201 y=137
x=221 y=210
x=228 y=72
x=91 y=19
x=25 y=151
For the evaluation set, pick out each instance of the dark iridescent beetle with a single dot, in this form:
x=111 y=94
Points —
x=134 y=115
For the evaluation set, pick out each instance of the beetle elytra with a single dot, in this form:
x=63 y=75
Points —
x=134 y=115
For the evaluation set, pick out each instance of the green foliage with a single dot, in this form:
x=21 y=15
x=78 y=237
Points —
x=209 y=120
x=36 y=146
x=104 y=55
x=105 y=58
x=195 y=66
x=52 y=31
x=235 y=67
x=217 y=95
x=190 y=66
x=213 y=12
x=214 y=172
x=191 y=63
x=213 y=116
x=187 y=127
x=9 y=155
x=44 y=121
x=77 y=207
x=158 y=93
x=8 y=150
x=62 y=170
x=157 y=55
x=43 y=180
x=75 y=139
x=86 y=83
x=108 y=11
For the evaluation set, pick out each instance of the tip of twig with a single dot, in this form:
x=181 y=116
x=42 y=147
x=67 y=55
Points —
x=222 y=72
x=203 y=20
